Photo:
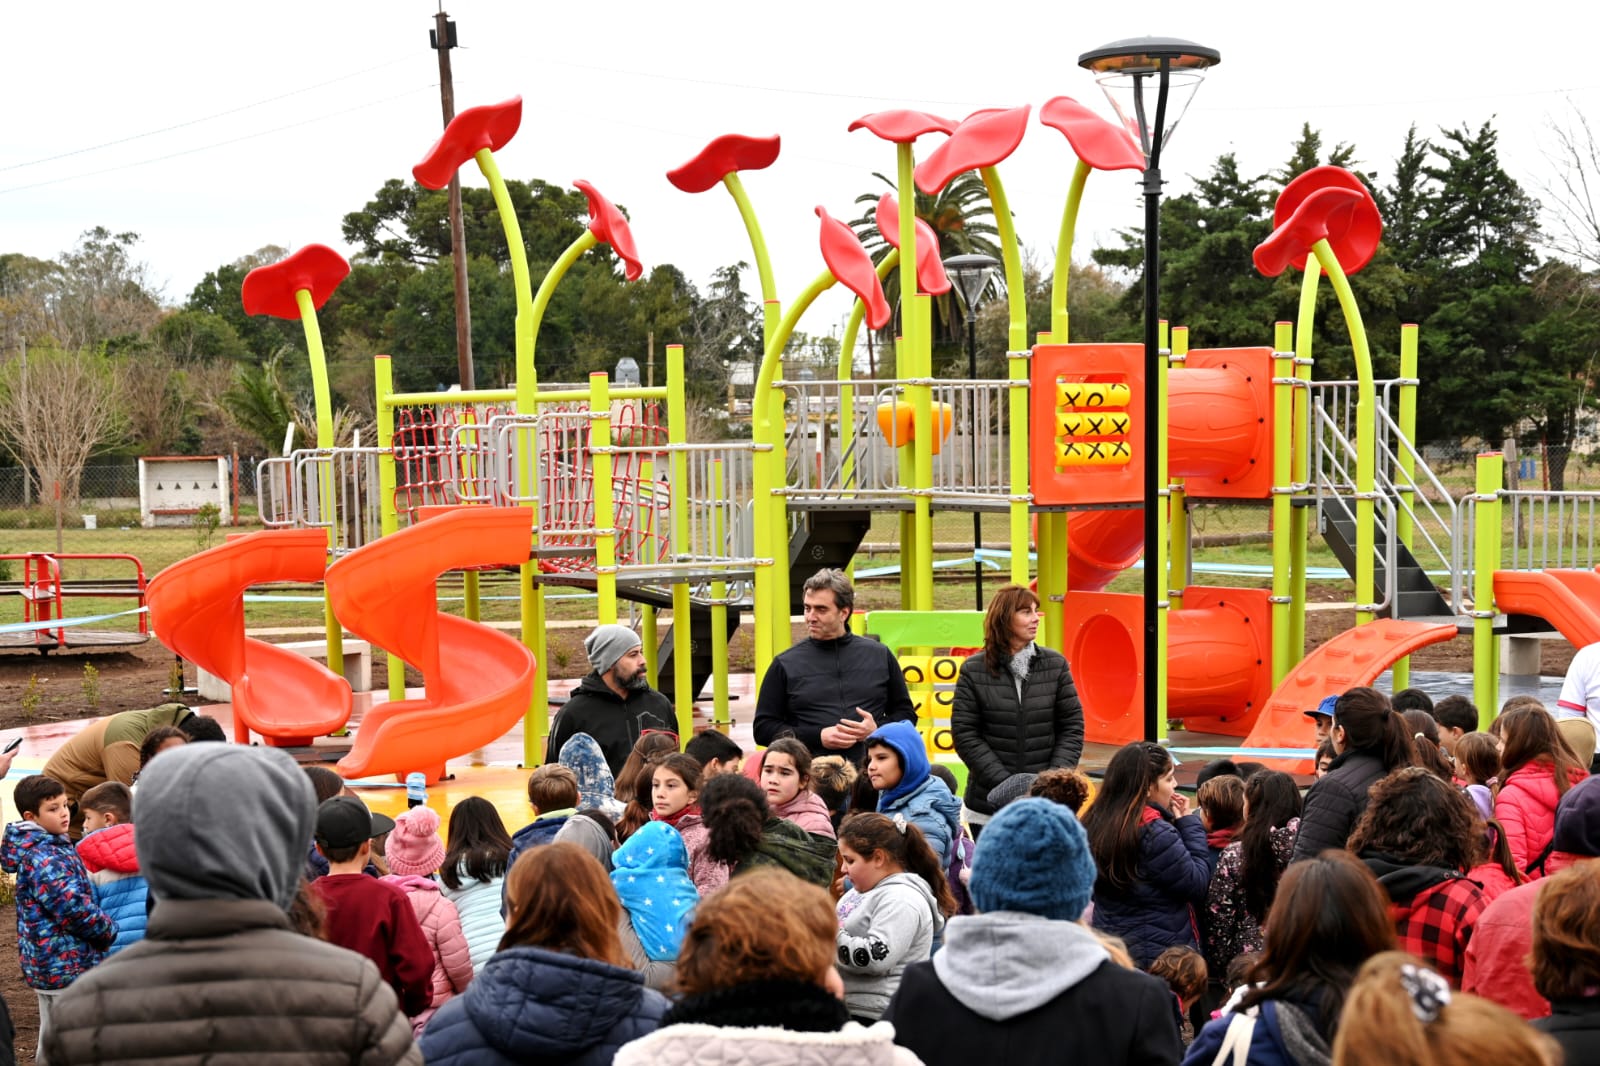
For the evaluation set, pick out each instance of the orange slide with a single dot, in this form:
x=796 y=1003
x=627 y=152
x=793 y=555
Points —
x=478 y=680
x=197 y=610
x=1567 y=599
x=1355 y=657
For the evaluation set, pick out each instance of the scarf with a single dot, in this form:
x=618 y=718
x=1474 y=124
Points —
x=651 y=876
x=674 y=819
x=1022 y=662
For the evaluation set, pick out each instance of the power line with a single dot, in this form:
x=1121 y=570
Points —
x=202 y=119
x=221 y=144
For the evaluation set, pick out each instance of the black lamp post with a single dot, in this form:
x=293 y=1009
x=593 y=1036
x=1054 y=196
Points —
x=971 y=274
x=1138 y=75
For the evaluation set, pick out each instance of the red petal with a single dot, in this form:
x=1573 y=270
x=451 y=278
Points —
x=931 y=277
x=475 y=129
x=902 y=126
x=983 y=139
x=270 y=290
x=723 y=156
x=611 y=226
x=1103 y=145
x=1356 y=246
x=1326 y=213
x=853 y=267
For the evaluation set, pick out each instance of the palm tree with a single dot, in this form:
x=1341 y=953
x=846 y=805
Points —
x=962 y=218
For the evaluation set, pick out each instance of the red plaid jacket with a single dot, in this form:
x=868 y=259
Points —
x=1436 y=925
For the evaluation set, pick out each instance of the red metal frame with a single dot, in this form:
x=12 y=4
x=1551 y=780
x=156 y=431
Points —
x=44 y=595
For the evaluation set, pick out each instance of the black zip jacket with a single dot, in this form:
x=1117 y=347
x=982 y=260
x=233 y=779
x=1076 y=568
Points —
x=814 y=684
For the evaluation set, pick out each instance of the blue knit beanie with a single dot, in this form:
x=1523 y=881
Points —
x=1033 y=857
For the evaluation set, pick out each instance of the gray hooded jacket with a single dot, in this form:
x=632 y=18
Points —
x=894 y=926
x=220 y=976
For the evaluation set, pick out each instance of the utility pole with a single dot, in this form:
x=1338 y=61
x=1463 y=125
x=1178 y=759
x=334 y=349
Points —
x=443 y=38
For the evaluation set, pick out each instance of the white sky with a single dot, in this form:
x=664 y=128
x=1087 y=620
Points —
x=214 y=128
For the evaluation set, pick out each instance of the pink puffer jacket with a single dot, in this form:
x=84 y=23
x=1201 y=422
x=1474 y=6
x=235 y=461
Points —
x=808 y=812
x=707 y=873
x=452 y=960
x=1526 y=806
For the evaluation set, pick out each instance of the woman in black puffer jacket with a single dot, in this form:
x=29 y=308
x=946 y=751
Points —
x=1015 y=708
x=1372 y=739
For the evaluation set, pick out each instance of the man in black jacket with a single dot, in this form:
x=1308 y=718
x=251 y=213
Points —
x=615 y=702
x=836 y=689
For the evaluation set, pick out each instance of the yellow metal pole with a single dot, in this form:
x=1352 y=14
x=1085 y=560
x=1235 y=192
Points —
x=682 y=623
x=605 y=512
x=388 y=518
x=719 y=610
x=1017 y=364
x=1486 y=560
x=1283 y=389
x=1159 y=559
x=1405 y=482
x=1366 y=435
x=1300 y=519
x=324 y=404
x=1051 y=537
x=649 y=631
x=1177 y=506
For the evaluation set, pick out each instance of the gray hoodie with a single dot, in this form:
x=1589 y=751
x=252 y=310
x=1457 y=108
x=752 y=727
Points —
x=893 y=926
x=1007 y=963
x=218 y=821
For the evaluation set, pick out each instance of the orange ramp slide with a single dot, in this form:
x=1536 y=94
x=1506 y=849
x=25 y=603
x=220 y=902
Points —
x=197 y=611
x=1567 y=599
x=478 y=681
x=1355 y=657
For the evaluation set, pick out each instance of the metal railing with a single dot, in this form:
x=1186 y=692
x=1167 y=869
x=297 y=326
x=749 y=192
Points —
x=298 y=491
x=838 y=449
x=1420 y=499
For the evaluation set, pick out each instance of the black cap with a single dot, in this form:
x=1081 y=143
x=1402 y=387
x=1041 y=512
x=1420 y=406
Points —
x=344 y=822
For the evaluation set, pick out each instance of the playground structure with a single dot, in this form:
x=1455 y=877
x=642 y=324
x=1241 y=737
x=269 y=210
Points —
x=596 y=487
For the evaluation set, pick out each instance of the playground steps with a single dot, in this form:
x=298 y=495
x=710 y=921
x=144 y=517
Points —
x=700 y=633
x=825 y=538
x=1416 y=596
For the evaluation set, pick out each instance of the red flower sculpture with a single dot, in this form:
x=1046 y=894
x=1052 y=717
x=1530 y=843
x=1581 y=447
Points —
x=475 y=129
x=930 y=268
x=983 y=139
x=270 y=290
x=729 y=153
x=610 y=226
x=1356 y=246
x=902 y=127
x=851 y=264
x=1103 y=145
x=1329 y=213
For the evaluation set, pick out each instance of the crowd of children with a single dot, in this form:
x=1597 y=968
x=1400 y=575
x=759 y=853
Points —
x=1434 y=896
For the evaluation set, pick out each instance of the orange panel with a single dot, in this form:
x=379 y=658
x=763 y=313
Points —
x=1219 y=659
x=1219 y=423
x=1106 y=465
x=1567 y=599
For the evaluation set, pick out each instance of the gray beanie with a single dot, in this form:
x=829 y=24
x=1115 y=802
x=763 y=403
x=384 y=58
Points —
x=1012 y=788
x=219 y=821
x=607 y=644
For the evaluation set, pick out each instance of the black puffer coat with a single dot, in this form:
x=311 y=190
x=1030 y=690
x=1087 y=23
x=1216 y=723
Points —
x=997 y=735
x=1335 y=803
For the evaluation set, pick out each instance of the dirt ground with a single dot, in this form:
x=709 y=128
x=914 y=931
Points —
x=36 y=689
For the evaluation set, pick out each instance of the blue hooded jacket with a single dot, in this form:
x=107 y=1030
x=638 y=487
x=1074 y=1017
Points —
x=532 y=1005
x=61 y=931
x=926 y=801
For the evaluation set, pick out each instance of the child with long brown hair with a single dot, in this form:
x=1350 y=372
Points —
x=1539 y=768
x=559 y=988
x=786 y=779
x=904 y=900
x=675 y=800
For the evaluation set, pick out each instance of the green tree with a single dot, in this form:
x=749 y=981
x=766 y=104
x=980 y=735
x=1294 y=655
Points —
x=101 y=294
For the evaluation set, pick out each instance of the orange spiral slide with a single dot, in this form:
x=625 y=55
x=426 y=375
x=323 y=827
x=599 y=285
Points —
x=197 y=610
x=478 y=681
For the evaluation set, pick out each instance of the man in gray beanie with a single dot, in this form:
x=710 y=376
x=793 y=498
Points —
x=614 y=702
x=1025 y=974
x=221 y=975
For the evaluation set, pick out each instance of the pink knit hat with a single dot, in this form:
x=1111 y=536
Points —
x=414 y=847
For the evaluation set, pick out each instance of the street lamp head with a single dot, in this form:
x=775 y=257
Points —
x=627 y=371
x=1150 y=81
x=971 y=274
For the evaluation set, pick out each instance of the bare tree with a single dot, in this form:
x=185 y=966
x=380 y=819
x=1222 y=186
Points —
x=56 y=409
x=156 y=395
x=1573 y=194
